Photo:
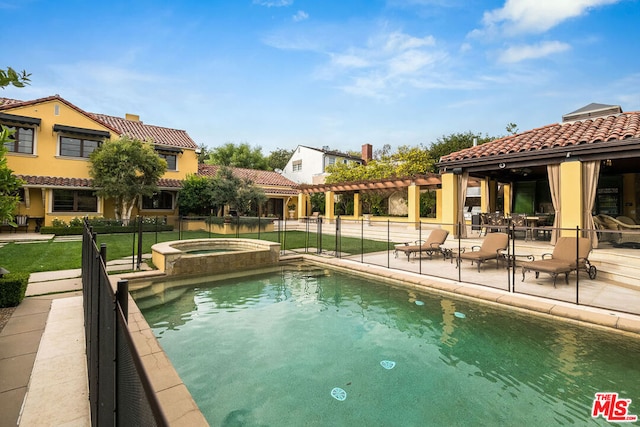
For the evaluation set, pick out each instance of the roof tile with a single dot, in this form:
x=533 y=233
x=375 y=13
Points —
x=598 y=130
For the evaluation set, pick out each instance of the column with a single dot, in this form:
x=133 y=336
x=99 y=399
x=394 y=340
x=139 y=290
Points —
x=329 y=205
x=414 y=205
x=449 y=201
x=357 y=206
x=302 y=205
x=570 y=197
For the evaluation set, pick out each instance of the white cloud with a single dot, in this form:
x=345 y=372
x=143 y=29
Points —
x=537 y=16
x=273 y=3
x=540 y=50
x=301 y=15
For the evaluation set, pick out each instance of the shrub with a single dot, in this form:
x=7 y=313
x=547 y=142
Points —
x=13 y=286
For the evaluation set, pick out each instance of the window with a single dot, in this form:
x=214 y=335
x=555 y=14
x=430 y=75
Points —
x=74 y=201
x=161 y=200
x=331 y=161
x=297 y=165
x=77 y=147
x=172 y=160
x=21 y=140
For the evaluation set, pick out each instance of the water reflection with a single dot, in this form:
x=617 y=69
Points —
x=305 y=325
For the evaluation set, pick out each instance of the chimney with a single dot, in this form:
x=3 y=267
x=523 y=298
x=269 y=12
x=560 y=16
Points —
x=132 y=117
x=367 y=152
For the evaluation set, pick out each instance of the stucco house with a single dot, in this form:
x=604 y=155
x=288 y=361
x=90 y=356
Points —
x=50 y=153
x=308 y=165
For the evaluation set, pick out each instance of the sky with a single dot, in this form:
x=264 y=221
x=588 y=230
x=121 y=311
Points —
x=339 y=73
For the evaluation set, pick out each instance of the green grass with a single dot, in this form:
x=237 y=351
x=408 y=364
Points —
x=52 y=256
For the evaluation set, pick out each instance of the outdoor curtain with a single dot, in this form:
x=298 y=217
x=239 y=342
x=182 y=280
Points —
x=462 y=197
x=554 y=186
x=590 y=173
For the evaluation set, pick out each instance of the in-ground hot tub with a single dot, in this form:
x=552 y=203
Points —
x=211 y=256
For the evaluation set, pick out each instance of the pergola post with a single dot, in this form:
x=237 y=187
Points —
x=302 y=205
x=414 y=204
x=357 y=205
x=570 y=197
x=450 y=201
x=329 y=205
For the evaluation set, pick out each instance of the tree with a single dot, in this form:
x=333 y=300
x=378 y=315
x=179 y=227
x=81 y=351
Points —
x=126 y=170
x=196 y=196
x=239 y=156
x=512 y=128
x=239 y=194
x=411 y=161
x=203 y=155
x=12 y=77
x=279 y=158
x=448 y=144
x=9 y=183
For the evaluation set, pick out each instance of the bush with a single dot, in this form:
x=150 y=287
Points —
x=248 y=221
x=104 y=229
x=13 y=286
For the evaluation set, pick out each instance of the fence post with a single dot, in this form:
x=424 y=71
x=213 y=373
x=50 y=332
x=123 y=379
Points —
x=459 y=250
x=338 y=247
x=122 y=295
x=319 y=236
x=139 y=258
x=577 y=265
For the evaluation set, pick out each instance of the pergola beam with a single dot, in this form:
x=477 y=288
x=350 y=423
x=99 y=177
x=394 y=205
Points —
x=428 y=180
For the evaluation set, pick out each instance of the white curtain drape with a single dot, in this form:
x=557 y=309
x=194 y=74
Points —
x=590 y=174
x=463 y=180
x=554 y=186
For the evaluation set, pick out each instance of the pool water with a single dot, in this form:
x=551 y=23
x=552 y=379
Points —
x=272 y=349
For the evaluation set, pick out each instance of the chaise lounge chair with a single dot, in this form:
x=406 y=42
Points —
x=491 y=248
x=432 y=245
x=568 y=255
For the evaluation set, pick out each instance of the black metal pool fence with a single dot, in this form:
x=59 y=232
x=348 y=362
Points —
x=374 y=242
x=120 y=394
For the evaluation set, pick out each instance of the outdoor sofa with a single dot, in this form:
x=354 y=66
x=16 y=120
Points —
x=630 y=231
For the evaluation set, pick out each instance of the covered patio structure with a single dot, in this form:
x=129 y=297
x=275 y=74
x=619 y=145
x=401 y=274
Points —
x=583 y=166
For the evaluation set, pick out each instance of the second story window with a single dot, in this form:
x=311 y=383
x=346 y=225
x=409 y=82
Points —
x=172 y=160
x=77 y=147
x=297 y=165
x=21 y=140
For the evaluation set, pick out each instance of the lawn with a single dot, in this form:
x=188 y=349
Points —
x=51 y=256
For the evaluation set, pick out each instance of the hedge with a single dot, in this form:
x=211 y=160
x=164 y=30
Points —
x=104 y=229
x=13 y=286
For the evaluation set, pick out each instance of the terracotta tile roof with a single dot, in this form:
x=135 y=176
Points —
x=57 y=181
x=258 y=177
x=600 y=130
x=137 y=129
x=14 y=103
x=8 y=101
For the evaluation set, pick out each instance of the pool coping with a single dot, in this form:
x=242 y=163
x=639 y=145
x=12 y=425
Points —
x=181 y=409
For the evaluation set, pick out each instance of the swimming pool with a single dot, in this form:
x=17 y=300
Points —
x=270 y=349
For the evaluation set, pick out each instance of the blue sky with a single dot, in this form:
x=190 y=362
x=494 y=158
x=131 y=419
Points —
x=278 y=73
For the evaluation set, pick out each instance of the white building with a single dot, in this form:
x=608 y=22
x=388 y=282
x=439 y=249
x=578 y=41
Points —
x=307 y=165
